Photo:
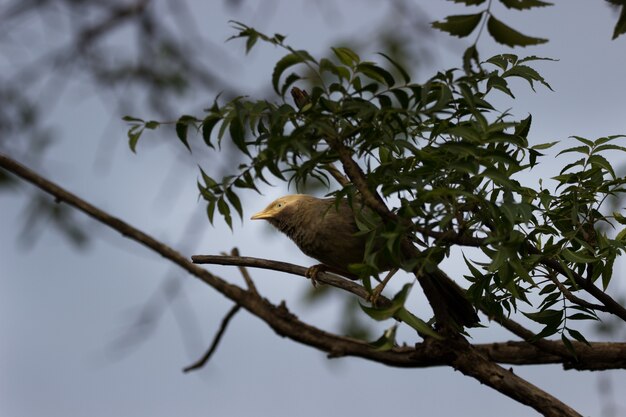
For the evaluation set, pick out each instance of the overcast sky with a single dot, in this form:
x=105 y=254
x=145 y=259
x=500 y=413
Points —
x=62 y=310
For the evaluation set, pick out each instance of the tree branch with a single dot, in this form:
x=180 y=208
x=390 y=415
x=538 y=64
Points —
x=455 y=352
x=601 y=355
x=323 y=277
x=216 y=341
x=244 y=273
x=611 y=305
x=574 y=299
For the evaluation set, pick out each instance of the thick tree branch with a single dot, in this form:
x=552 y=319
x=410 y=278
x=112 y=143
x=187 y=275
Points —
x=455 y=352
x=277 y=317
x=600 y=355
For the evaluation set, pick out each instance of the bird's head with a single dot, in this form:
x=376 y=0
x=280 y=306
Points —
x=279 y=207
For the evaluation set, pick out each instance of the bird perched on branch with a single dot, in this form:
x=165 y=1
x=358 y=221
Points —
x=327 y=231
x=320 y=229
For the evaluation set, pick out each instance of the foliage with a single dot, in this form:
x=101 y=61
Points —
x=449 y=162
x=464 y=25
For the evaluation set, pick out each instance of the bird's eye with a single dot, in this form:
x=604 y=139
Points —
x=279 y=205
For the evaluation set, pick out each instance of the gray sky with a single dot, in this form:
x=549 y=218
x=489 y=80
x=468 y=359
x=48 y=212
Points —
x=61 y=309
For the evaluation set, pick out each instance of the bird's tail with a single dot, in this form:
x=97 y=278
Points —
x=448 y=299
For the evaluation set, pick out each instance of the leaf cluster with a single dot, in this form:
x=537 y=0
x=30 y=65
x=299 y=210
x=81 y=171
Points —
x=446 y=160
x=464 y=25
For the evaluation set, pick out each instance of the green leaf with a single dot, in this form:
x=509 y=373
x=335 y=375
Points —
x=508 y=36
x=603 y=140
x=577 y=257
x=500 y=178
x=547 y=317
x=523 y=128
x=602 y=148
x=376 y=73
x=600 y=161
x=503 y=61
x=291 y=78
x=471 y=55
x=546 y=145
x=347 y=56
x=207 y=127
x=208 y=181
x=234 y=201
x=252 y=38
x=621 y=236
x=402 y=97
x=581 y=316
x=620 y=26
x=387 y=341
x=578 y=336
x=224 y=210
x=237 y=134
x=133 y=119
x=459 y=25
x=403 y=72
x=583 y=140
x=585 y=150
x=285 y=62
x=501 y=84
x=182 y=126
x=134 y=133
x=619 y=217
x=339 y=70
x=416 y=323
x=384 y=313
x=527 y=73
x=210 y=210
x=524 y=4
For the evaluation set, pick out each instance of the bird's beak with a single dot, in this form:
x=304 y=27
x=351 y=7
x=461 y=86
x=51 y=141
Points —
x=263 y=214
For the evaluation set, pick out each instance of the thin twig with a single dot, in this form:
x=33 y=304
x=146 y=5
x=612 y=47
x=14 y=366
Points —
x=323 y=277
x=574 y=299
x=338 y=176
x=216 y=340
x=612 y=306
x=244 y=273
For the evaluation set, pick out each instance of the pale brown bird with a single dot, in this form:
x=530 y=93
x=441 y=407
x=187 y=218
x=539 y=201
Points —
x=327 y=231
x=321 y=230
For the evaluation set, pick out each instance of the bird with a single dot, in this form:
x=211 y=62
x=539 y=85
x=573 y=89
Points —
x=326 y=230
x=320 y=229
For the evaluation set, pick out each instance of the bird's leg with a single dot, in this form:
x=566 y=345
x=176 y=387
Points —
x=373 y=298
x=312 y=272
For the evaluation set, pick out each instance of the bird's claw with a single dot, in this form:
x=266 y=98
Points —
x=373 y=297
x=312 y=272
